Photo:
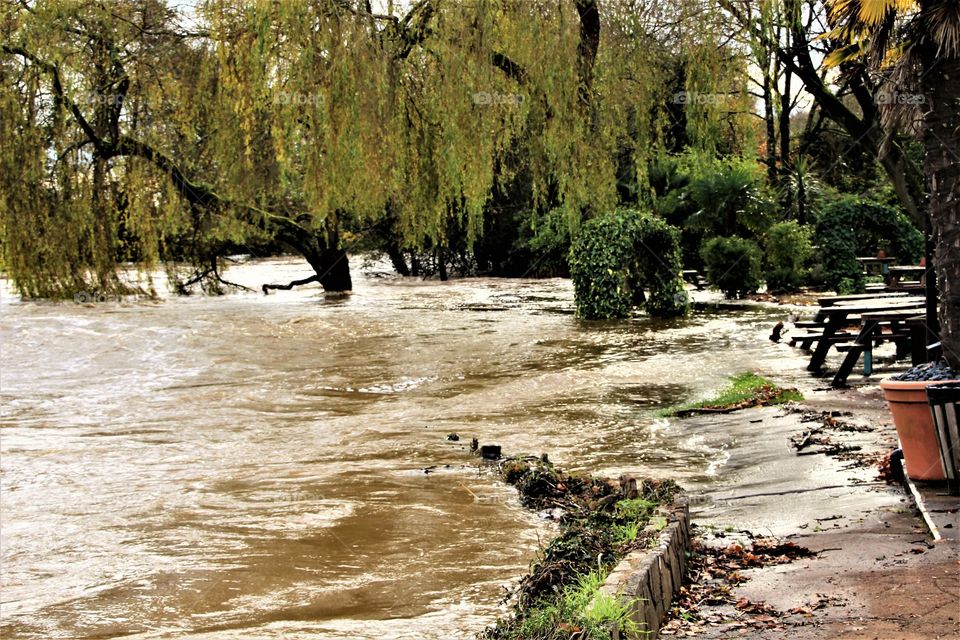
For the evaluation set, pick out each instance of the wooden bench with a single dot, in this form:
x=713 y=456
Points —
x=808 y=340
x=897 y=275
x=837 y=317
x=877 y=339
x=693 y=277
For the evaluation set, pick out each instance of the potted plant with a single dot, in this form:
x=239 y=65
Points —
x=882 y=247
x=906 y=395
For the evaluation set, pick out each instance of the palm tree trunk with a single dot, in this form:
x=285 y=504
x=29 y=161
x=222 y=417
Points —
x=941 y=138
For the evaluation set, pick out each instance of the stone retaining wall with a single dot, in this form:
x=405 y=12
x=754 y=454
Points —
x=651 y=577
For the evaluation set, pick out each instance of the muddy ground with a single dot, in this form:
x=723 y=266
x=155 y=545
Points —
x=815 y=481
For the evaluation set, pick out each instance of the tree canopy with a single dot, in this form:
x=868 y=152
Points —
x=142 y=133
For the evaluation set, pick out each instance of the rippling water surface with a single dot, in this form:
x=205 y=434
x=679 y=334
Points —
x=253 y=466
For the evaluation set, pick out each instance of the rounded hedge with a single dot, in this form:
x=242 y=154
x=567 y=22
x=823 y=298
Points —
x=733 y=265
x=852 y=226
x=616 y=256
x=787 y=247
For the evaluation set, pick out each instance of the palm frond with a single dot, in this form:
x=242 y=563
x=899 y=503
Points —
x=844 y=53
x=869 y=24
x=940 y=21
x=874 y=13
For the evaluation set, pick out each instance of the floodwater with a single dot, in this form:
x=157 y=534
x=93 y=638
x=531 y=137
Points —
x=254 y=466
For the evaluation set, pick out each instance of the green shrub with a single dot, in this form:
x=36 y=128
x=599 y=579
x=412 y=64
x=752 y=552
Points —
x=733 y=265
x=851 y=226
x=707 y=197
x=787 y=248
x=846 y=286
x=616 y=256
x=732 y=197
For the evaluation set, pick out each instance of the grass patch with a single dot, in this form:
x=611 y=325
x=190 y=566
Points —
x=580 y=611
x=745 y=390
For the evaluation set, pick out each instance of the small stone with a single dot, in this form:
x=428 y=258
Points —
x=490 y=452
x=452 y=437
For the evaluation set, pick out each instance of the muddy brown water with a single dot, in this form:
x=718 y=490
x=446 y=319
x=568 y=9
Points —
x=253 y=467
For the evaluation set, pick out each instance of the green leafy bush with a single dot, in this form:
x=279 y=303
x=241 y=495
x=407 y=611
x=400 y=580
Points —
x=733 y=265
x=708 y=197
x=732 y=197
x=852 y=226
x=787 y=248
x=619 y=254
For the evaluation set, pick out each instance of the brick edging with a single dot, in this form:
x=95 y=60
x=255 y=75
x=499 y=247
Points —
x=650 y=578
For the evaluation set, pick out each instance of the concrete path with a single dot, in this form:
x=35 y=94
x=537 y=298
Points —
x=878 y=573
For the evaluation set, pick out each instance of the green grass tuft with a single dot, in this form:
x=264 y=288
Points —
x=581 y=611
x=746 y=389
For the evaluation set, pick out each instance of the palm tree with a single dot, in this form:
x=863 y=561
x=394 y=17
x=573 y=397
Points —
x=914 y=45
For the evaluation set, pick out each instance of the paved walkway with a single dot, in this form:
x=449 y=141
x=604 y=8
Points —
x=879 y=573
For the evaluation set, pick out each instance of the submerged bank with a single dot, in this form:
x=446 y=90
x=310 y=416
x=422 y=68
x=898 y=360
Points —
x=744 y=391
x=601 y=521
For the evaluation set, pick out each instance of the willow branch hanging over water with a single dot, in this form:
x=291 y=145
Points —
x=139 y=133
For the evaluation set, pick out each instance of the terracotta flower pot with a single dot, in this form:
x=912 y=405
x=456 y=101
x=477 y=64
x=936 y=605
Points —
x=918 y=437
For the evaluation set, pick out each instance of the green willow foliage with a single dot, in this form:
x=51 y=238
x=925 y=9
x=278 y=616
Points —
x=137 y=134
x=617 y=256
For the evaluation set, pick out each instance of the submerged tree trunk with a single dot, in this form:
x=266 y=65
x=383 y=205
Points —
x=941 y=139
x=399 y=262
x=327 y=258
x=103 y=256
x=441 y=263
x=333 y=270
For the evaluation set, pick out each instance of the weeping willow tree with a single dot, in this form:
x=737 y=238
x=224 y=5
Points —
x=137 y=133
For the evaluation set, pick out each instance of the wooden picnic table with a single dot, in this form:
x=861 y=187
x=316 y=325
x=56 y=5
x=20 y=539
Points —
x=896 y=274
x=829 y=301
x=902 y=298
x=693 y=277
x=836 y=317
x=913 y=288
x=880 y=301
x=871 y=331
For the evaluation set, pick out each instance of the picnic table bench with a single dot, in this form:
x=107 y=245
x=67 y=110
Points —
x=829 y=301
x=871 y=333
x=859 y=299
x=836 y=317
x=693 y=277
x=896 y=274
x=855 y=300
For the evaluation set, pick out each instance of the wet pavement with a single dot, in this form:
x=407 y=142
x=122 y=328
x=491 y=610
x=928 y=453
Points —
x=878 y=573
